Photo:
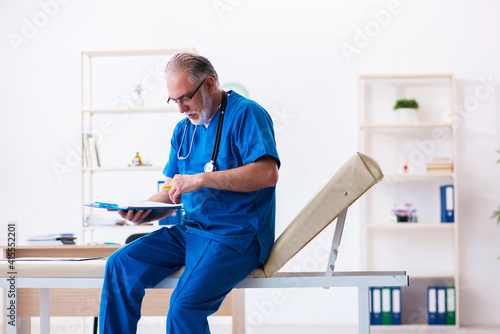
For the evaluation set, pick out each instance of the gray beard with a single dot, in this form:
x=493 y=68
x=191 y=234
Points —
x=204 y=115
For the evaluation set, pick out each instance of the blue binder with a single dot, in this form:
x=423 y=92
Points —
x=447 y=204
x=396 y=305
x=376 y=306
x=371 y=306
x=441 y=305
x=431 y=305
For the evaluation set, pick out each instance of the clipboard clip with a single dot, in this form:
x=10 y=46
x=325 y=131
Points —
x=107 y=205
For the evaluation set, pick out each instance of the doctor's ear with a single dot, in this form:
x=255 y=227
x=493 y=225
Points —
x=210 y=81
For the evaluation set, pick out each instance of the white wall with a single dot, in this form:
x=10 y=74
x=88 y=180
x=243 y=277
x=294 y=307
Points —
x=288 y=55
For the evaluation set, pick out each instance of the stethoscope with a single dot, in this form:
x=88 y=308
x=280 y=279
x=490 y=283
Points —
x=211 y=165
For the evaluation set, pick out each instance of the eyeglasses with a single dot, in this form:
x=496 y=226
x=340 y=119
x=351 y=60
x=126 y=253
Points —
x=186 y=99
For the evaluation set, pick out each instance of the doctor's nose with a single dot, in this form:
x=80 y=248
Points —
x=182 y=107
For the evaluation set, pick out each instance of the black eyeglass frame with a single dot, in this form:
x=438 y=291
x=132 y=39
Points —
x=187 y=99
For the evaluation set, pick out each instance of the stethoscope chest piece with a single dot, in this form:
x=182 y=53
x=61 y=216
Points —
x=209 y=166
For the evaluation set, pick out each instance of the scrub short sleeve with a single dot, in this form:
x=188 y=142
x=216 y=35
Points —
x=172 y=168
x=254 y=134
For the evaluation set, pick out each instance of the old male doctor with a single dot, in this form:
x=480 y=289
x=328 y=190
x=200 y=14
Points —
x=223 y=168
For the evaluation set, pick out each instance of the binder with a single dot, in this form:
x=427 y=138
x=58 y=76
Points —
x=137 y=205
x=431 y=306
x=386 y=306
x=370 y=300
x=396 y=306
x=376 y=303
x=441 y=305
x=447 y=204
x=450 y=305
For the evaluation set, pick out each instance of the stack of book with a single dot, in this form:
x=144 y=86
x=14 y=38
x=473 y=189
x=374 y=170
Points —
x=441 y=305
x=385 y=306
x=440 y=165
x=90 y=149
x=52 y=239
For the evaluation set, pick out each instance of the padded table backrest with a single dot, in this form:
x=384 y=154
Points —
x=348 y=183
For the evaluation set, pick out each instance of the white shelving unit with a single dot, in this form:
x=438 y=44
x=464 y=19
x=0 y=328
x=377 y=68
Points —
x=123 y=122
x=427 y=249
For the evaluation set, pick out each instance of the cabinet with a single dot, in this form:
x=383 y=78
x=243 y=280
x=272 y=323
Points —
x=407 y=150
x=124 y=110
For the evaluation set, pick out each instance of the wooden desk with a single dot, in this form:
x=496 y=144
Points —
x=63 y=251
x=83 y=302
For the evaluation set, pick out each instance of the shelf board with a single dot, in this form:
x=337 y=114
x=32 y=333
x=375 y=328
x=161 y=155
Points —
x=410 y=226
x=122 y=169
x=381 y=77
x=130 y=53
x=169 y=109
x=419 y=176
x=421 y=328
x=404 y=126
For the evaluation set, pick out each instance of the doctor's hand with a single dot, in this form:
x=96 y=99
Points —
x=136 y=216
x=183 y=184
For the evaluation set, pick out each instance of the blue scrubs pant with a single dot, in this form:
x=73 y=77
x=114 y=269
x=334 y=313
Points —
x=212 y=270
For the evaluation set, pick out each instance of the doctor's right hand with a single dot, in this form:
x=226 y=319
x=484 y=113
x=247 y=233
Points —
x=183 y=184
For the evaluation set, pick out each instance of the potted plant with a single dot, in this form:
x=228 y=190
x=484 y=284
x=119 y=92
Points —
x=407 y=110
x=496 y=214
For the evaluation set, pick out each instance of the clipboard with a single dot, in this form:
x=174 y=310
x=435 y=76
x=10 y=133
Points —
x=137 y=205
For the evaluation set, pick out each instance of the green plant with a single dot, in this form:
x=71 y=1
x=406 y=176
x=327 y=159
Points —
x=404 y=103
x=496 y=214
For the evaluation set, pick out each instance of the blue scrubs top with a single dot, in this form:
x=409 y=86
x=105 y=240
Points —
x=233 y=218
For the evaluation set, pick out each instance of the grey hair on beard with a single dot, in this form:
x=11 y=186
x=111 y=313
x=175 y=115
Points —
x=196 y=67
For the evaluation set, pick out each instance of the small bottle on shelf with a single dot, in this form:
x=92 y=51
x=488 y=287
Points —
x=137 y=160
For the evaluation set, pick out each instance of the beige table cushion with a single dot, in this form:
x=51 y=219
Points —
x=347 y=184
x=60 y=269
x=56 y=269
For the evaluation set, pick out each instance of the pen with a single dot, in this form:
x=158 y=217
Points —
x=168 y=187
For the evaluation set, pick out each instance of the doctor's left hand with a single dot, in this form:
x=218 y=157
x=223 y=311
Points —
x=183 y=184
x=136 y=216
